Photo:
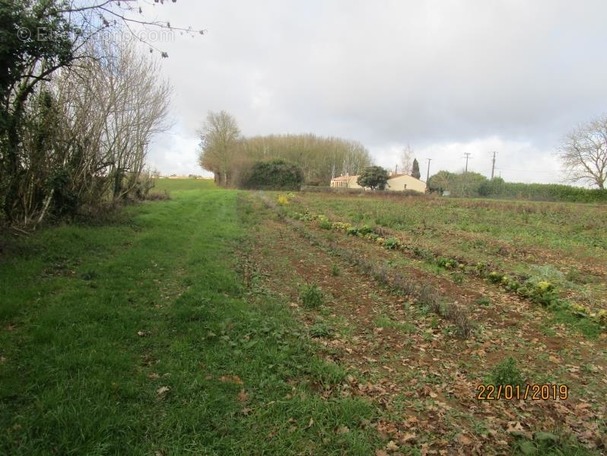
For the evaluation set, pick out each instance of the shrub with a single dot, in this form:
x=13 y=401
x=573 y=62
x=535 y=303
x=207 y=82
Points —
x=274 y=175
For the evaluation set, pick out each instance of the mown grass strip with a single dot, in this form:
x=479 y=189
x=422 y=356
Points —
x=138 y=338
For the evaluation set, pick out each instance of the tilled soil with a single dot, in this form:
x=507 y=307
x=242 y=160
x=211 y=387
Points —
x=410 y=362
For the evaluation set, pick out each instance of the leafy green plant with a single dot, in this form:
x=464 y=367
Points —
x=321 y=330
x=541 y=292
x=325 y=224
x=365 y=229
x=311 y=296
x=447 y=263
x=392 y=243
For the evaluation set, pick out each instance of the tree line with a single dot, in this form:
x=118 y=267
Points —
x=79 y=105
x=231 y=157
x=475 y=185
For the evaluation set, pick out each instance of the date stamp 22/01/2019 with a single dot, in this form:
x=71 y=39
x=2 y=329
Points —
x=534 y=392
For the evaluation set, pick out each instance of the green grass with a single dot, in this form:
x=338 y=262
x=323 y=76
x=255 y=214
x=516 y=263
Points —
x=138 y=338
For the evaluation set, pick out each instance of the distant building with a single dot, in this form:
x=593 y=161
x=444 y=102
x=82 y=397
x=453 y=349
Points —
x=399 y=183
x=345 y=182
x=396 y=183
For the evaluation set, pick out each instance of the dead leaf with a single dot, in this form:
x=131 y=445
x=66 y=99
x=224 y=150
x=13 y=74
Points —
x=425 y=448
x=231 y=379
x=408 y=438
x=380 y=453
x=411 y=422
x=162 y=391
x=243 y=396
x=141 y=333
x=342 y=430
x=392 y=446
x=516 y=428
x=464 y=440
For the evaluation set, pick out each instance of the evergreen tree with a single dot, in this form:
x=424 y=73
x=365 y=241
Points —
x=415 y=169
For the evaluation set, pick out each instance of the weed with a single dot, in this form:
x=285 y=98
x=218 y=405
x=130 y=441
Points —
x=311 y=296
x=459 y=317
x=321 y=330
x=507 y=373
x=282 y=200
x=429 y=298
x=549 y=444
x=458 y=278
x=483 y=301
x=335 y=270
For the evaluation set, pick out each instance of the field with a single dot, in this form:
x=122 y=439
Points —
x=224 y=322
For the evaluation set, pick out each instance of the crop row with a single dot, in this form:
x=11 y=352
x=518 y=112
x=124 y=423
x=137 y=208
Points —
x=536 y=290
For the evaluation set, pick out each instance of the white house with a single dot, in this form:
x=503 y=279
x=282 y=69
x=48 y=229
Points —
x=396 y=183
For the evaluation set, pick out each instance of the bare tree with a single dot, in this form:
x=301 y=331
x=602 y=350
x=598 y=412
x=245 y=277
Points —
x=584 y=153
x=40 y=38
x=407 y=160
x=220 y=144
x=87 y=134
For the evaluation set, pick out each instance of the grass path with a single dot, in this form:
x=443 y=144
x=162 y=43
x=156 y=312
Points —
x=138 y=338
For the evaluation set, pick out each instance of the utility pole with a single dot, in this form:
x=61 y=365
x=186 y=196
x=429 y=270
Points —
x=467 y=154
x=428 y=173
x=493 y=166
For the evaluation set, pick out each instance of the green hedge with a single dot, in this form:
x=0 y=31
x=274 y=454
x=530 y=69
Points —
x=497 y=188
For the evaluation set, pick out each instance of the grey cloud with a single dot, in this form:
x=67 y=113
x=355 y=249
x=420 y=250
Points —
x=430 y=73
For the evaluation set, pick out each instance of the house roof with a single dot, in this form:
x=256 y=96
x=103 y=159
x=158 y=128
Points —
x=342 y=178
x=395 y=176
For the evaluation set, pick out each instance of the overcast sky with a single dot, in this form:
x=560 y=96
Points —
x=447 y=77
